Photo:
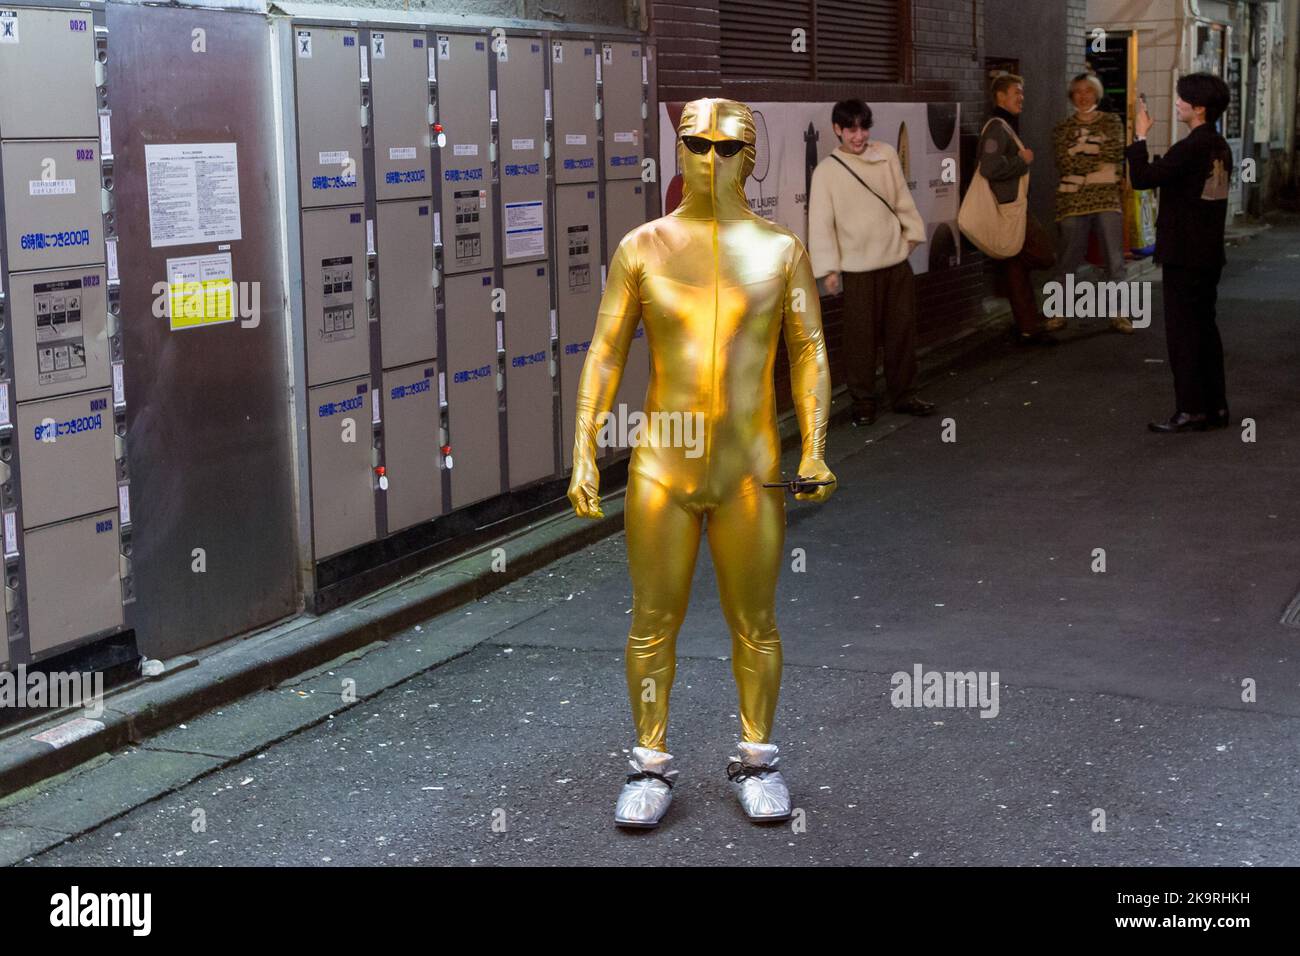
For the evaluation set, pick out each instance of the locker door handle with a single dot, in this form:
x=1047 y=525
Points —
x=365 y=115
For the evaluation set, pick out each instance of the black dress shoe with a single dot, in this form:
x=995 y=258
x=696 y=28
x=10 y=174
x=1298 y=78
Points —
x=1180 y=422
x=1031 y=339
x=915 y=406
x=1220 y=419
x=862 y=420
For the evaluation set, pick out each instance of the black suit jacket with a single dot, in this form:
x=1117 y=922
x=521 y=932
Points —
x=1193 y=180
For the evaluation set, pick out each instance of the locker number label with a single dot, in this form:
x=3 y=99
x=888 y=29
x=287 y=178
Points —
x=304 y=44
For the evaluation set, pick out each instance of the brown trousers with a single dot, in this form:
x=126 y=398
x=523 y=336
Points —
x=1036 y=253
x=880 y=309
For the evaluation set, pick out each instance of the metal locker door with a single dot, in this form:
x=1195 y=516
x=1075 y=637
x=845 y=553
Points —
x=336 y=323
x=342 y=477
x=472 y=403
x=60 y=344
x=66 y=450
x=621 y=66
x=328 y=72
x=577 y=280
x=55 y=48
x=53 y=213
x=407 y=326
x=573 y=107
x=74 y=587
x=399 y=82
x=530 y=418
x=463 y=111
x=411 y=454
x=624 y=211
x=522 y=108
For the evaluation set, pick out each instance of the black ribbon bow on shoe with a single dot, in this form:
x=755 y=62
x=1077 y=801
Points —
x=737 y=770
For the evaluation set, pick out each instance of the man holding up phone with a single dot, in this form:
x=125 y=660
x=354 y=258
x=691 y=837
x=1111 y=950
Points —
x=1193 y=180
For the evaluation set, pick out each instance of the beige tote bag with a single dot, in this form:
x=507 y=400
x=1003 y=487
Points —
x=996 y=229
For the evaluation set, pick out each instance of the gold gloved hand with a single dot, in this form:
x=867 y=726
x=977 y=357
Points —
x=815 y=469
x=584 y=487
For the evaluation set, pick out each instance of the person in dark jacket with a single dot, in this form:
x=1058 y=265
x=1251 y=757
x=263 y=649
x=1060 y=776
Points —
x=1193 y=178
x=1003 y=161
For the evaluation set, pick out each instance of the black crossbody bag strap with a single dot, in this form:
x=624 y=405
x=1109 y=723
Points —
x=868 y=188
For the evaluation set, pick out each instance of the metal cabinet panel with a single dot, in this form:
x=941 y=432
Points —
x=463 y=111
x=472 y=401
x=577 y=280
x=73 y=583
x=53 y=51
x=53 y=213
x=522 y=109
x=327 y=66
x=342 y=477
x=208 y=409
x=66 y=452
x=335 y=309
x=408 y=330
x=399 y=83
x=411 y=445
x=530 y=416
x=60 y=341
x=624 y=124
x=573 y=95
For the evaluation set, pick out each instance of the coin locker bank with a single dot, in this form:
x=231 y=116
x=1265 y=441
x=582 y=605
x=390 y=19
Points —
x=454 y=196
x=63 y=475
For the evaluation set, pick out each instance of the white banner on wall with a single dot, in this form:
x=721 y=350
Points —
x=791 y=138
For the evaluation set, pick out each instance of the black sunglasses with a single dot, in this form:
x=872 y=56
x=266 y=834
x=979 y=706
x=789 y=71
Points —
x=725 y=147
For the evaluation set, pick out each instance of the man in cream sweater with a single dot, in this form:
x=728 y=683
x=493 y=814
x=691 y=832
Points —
x=859 y=243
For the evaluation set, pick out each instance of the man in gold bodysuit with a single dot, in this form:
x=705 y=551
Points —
x=715 y=286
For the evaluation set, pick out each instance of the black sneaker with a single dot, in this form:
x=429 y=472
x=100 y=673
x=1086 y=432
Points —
x=915 y=406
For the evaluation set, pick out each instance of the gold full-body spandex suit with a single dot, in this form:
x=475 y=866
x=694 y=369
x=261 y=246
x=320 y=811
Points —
x=715 y=285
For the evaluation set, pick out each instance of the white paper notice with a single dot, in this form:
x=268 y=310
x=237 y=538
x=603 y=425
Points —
x=464 y=149
x=51 y=187
x=522 y=144
x=11 y=534
x=525 y=232
x=627 y=137
x=575 y=139
x=401 y=152
x=110 y=250
x=124 y=503
x=193 y=193
x=105 y=133
x=4 y=403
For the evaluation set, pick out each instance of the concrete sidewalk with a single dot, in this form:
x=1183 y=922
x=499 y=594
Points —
x=1119 y=691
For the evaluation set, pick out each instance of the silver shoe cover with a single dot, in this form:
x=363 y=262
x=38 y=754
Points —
x=763 y=796
x=643 y=803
